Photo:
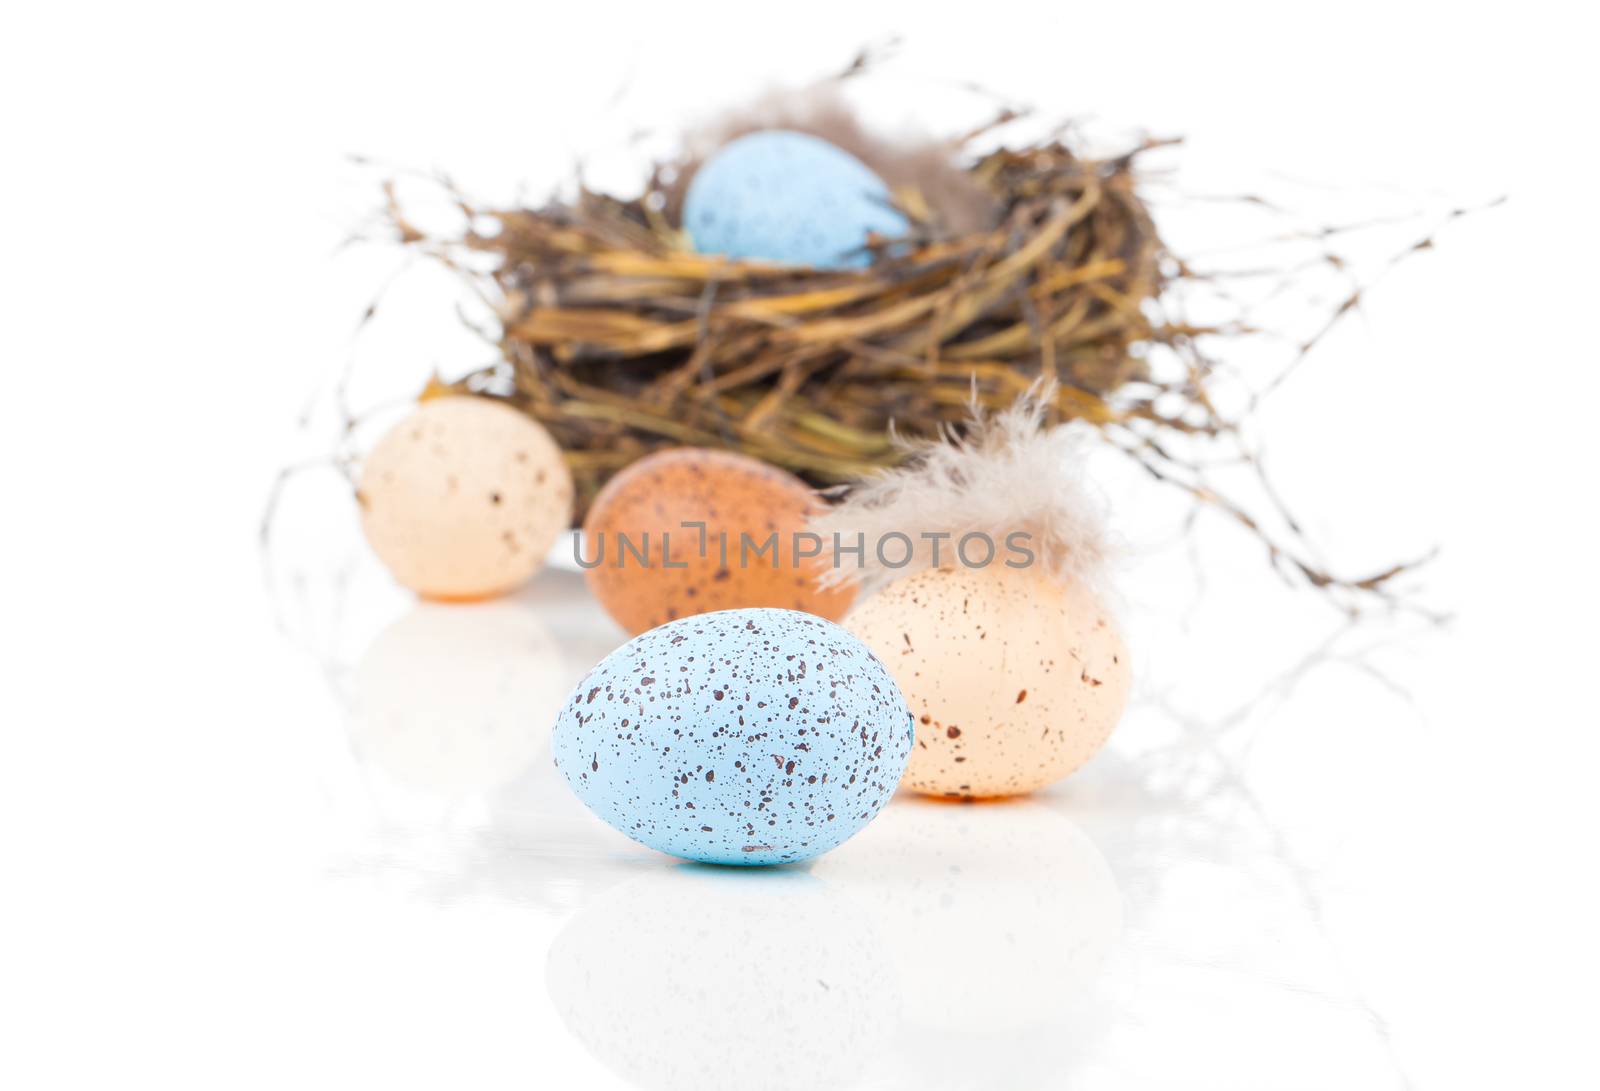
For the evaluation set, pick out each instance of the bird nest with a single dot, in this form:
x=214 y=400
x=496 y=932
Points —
x=1035 y=262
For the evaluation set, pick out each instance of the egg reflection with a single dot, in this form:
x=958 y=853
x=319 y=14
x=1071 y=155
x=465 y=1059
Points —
x=999 y=918
x=695 y=977
x=458 y=699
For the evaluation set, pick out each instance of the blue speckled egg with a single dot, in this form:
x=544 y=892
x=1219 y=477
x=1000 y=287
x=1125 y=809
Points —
x=737 y=737
x=788 y=197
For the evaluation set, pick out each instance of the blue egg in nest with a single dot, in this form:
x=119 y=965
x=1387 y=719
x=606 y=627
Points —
x=788 y=197
x=755 y=736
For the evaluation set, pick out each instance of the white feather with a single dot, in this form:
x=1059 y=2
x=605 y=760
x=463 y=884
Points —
x=1005 y=473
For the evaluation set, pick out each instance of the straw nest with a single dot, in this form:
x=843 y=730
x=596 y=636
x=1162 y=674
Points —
x=1023 y=263
x=621 y=341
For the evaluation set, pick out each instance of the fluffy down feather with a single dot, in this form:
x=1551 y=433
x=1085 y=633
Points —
x=1005 y=472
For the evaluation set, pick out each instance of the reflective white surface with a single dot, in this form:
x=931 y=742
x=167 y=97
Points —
x=1276 y=892
x=273 y=825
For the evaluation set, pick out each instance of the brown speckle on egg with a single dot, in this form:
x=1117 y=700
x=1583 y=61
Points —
x=1022 y=724
x=423 y=491
x=690 y=572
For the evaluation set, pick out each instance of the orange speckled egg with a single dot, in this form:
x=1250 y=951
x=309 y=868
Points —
x=647 y=568
x=1015 y=679
x=463 y=499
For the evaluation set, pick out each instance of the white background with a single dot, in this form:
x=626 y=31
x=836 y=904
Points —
x=1313 y=857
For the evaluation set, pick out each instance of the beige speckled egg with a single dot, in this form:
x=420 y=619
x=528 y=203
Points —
x=463 y=499
x=1015 y=680
x=733 y=495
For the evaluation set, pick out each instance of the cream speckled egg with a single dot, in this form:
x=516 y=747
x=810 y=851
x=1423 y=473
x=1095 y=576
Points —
x=463 y=499
x=1015 y=680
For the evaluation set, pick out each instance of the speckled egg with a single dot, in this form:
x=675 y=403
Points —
x=463 y=499
x=647 y=567
x=1015 y=679
x=739 y=737
x=788 y=197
